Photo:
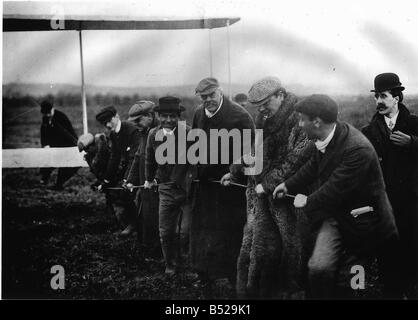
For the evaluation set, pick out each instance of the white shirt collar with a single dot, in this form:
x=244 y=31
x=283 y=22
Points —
x=210 y=114
x=118 y=126
x=391 y=120
x=168 y=132
x=321 y=145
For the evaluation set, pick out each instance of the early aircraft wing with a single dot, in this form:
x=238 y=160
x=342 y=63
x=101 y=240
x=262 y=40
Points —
x=43 y=23
x=43 y=158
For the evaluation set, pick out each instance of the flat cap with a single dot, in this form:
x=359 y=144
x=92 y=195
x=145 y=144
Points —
x=207 y=86
x=106 y=114
x=84 y=141
x=318 y=105
x=139 y=108
x=263 y=89
x=241 y=97
x=46 y=107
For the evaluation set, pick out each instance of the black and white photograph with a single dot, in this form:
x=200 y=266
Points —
x=226 y=151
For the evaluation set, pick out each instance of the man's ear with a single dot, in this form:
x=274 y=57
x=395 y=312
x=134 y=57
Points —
x=396 y=98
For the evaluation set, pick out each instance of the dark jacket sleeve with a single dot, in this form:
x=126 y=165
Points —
x=65 y=127
x=346 y=177
x=114 y=160
x=133 y=145
x=150 y=163
x=133 y=175
x=304 y=176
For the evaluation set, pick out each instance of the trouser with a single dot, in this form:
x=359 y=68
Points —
x=174 y=221
x=123 y=205
x=147 y=223
x=332 y=268
x=63 y=174
x=406 y=216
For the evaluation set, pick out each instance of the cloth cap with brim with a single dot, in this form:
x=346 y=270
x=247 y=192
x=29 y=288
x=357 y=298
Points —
x=263 y=89
x=240 y=97
x=84 y=141
x=169 y=104
x=140 y=108
x=207 y=86
x=387 y=81
x=318 y=105
x=46 y=107
x=106 y=114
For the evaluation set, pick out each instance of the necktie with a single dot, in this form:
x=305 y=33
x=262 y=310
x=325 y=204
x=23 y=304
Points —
x=391 y=124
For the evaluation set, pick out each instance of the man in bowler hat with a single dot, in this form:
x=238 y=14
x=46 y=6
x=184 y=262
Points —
x=393 y=131
x=171 y=180
x=124 y=138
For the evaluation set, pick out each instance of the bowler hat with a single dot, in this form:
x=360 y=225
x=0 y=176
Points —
x=387 y=81
x=318 y=105
x=263 y=89
x=169 y=104
x=46 y=107
x=106 y=114
x=140 y=108
x=207 y=86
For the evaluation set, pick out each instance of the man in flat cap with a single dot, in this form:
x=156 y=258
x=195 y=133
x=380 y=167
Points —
x=270 y=261
x=56 y=132
x=124 y=138
x=393 y=131
x=349 y=205
x=218 y=213
x=143 y=116
x=171 y=177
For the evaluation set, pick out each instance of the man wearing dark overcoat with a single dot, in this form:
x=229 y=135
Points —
x=219 y=213
x=124 y=138
x=143 y=116
x=56 y=131
x=349 y=205
x=393 y=131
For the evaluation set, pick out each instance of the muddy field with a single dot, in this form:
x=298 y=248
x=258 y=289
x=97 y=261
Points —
x=42 y=228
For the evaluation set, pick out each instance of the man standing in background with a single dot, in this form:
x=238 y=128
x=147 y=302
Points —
x=393 y=131
x=56 y=132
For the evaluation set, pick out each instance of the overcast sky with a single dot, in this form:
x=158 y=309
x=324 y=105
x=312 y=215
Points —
x=329 y=46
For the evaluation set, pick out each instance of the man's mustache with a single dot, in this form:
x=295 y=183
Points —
x=380 y=106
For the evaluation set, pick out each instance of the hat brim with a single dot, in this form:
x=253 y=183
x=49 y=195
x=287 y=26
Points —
x=387 y=89
x=259 y=103
x=159 y=110
x=134 y=118
x=207 y=91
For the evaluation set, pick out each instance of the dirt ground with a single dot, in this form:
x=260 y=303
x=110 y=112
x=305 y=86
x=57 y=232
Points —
x=43 y=228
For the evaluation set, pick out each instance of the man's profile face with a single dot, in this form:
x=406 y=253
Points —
x=385 y=102
x=112 y=123
x=307 y=124
x=169 y=120
x=144 y=121
x=212 y=100
x=271 y=106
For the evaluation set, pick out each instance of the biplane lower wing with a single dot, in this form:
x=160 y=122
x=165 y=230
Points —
x=43 y=158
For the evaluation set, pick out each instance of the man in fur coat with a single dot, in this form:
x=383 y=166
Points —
x=275 y=237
